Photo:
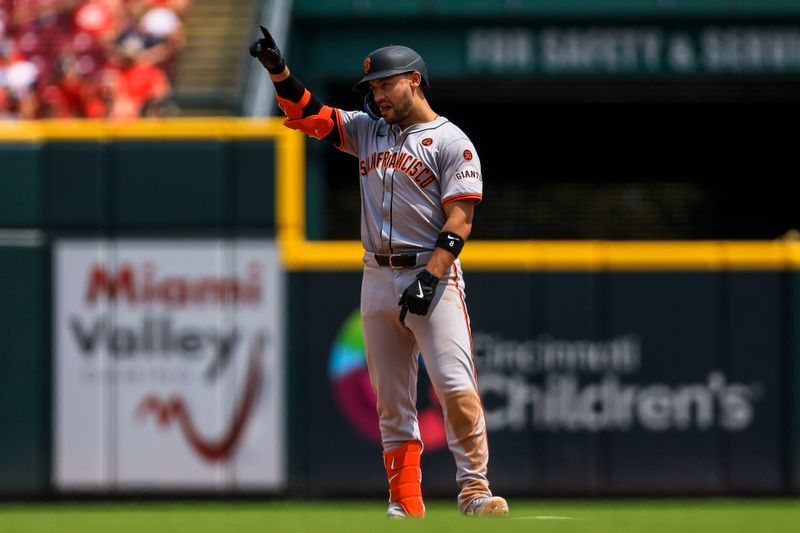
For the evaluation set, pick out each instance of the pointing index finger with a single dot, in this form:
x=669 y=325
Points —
x=268 y=37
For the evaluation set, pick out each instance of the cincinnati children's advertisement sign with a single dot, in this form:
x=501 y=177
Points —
x=550 y=384
x=168 y=365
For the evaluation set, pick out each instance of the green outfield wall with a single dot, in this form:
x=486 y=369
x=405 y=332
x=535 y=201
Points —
x=94 y=180
x=605 y=368
x=593 y=383
x=793 y=379
x=131 y=184
x=25 y=356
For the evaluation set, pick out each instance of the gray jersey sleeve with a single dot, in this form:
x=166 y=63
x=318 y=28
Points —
x=356 y=127
x=460 y=172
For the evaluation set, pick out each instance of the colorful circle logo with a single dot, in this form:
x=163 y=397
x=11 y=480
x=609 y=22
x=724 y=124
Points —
x=355 y=397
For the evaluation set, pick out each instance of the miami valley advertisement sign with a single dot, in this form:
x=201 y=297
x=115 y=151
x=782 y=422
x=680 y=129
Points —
x=169 y=366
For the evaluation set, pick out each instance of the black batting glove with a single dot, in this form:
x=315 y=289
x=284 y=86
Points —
x=418 y=296
x=266 y=51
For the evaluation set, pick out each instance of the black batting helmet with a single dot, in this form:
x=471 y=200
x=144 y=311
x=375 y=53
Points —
x=391 y=60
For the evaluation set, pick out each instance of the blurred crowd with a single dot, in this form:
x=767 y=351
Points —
x=88 y=58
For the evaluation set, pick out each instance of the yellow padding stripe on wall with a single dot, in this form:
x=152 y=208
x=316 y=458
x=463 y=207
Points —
x=150 y=129
x=301 y=254
x=579 y=256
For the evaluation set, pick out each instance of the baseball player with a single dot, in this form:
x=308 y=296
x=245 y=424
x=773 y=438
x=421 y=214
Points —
x=420 y=180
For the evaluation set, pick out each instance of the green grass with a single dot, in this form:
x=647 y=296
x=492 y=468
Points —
x=668 y=516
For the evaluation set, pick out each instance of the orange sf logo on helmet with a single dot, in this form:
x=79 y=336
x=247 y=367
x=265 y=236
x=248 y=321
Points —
x=367 y=65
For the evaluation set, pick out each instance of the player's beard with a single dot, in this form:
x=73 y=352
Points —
x=399 y=111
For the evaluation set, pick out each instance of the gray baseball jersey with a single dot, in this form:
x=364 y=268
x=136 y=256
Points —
x=407 y=177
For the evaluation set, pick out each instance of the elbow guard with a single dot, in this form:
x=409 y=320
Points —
x=307 y=115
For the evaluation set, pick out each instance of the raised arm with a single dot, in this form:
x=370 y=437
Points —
x=303 y=111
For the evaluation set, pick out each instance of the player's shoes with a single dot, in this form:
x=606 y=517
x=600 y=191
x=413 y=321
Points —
x=487 y=506
x=395 y=511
